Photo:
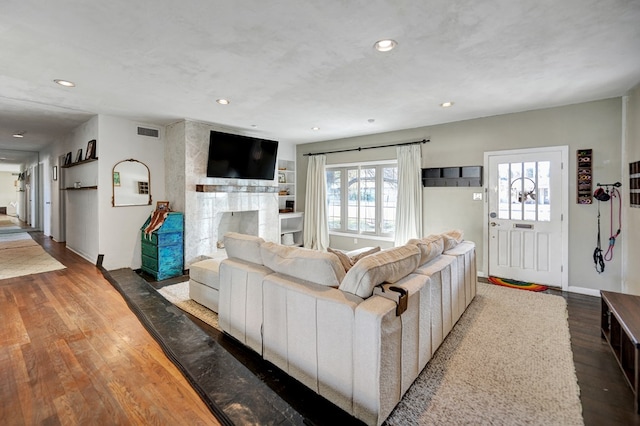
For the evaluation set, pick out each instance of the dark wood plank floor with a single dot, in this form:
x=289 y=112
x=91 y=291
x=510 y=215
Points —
x=81 y=356
x=72 y=352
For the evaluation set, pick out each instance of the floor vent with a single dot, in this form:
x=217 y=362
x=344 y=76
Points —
x=143 y=131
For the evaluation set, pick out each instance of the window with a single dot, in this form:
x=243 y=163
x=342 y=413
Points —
x=361 y=198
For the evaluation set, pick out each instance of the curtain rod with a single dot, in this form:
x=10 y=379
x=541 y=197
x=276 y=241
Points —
x=366 y=147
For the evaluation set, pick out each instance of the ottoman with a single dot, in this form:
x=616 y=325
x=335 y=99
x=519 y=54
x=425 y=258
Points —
x=204 y=282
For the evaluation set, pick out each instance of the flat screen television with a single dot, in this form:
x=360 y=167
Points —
x=242 y=157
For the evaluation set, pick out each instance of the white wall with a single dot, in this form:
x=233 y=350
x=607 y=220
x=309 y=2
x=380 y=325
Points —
x=630 y=236
x=595 y=125
x=80 y=208
x=119 y=227
x=8 y=192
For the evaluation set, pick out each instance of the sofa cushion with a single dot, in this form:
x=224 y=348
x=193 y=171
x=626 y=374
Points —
x=243 y=247
x=430 y=247
x=452 y=238
x=348 y=260
x=388 y=265
x=309 y=265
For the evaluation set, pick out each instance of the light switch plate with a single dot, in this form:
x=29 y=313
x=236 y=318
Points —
x=477 y=196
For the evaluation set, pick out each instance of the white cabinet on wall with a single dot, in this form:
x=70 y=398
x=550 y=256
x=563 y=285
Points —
x=291 y=227
x=286 y=186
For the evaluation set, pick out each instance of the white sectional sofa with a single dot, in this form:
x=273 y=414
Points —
x=338 y=331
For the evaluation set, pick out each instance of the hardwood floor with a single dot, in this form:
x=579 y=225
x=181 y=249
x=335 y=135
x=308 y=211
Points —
x=73 y=353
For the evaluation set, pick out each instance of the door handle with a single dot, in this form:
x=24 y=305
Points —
x=494 y=224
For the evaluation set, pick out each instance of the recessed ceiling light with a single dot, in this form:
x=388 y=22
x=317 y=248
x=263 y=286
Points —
x=18 y=135
x=64 y=83
x=222 y=101
x=446 y=104
x=385 y=45
x=315 y=128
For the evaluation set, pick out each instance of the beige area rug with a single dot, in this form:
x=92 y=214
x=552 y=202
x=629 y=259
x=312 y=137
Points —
x=508 y=361
x=178 y=294
x=20 y=255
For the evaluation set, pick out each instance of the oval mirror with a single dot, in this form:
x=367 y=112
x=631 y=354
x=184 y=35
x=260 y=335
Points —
x=131 y=184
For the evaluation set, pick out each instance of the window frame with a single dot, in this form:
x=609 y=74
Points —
x=379 y=185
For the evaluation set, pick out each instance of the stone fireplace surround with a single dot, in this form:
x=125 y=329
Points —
x=213 y=213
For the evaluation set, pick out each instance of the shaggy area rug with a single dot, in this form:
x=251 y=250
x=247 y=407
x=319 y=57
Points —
x=508 y=361
x=20 y=255
x=178 y=294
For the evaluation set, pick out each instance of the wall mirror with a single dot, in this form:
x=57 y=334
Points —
x=131 y=181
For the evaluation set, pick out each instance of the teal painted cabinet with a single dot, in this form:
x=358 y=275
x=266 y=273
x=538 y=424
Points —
x=162 y=251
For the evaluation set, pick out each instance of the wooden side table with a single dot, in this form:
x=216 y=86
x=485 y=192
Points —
x=620 y=326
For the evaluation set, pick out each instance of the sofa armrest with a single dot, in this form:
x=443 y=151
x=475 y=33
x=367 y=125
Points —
x=389 y=350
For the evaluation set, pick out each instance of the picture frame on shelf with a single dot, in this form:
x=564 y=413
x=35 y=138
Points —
x=79 y=155
x=282 y=178
x=91 y=150
x=67 y=159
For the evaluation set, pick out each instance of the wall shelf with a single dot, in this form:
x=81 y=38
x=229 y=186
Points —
x=465 y=176
x=584 y=176
x=82 y=188
x=79 y=163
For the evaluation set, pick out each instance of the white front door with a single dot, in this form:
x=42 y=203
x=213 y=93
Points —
x=527 y=201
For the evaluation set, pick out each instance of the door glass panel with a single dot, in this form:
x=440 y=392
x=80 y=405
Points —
x=544 y=195
x=528 y=193
x=504 y=193
x=516 y=191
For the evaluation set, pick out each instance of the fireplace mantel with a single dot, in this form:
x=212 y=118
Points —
x=236 y=188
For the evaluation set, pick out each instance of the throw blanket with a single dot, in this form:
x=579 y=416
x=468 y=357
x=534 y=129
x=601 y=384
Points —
x=157 y=219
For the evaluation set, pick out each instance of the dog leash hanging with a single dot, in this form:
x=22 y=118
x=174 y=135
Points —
x=608 y=256
x=604 y=195
x=598 y=259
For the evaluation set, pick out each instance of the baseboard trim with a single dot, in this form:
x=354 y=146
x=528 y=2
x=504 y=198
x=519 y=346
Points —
x=584 y=290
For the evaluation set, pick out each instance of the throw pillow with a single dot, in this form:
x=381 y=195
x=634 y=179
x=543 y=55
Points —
x=345 y=260
x=452 y=239
x=348 y=261
x=359 y=256
x=430 y=247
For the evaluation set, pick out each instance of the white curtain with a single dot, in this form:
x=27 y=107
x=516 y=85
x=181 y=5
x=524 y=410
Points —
x=316 y=227
x=409 y=205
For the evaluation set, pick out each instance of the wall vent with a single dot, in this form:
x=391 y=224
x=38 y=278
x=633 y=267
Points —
x=144 y=131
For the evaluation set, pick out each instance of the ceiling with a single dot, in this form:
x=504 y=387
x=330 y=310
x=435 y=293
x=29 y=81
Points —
x=289 y=65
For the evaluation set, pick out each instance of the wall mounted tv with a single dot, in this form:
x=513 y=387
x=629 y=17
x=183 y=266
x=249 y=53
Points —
x=242 y=157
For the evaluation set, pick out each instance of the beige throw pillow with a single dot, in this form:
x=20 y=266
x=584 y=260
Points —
x=348 y=261
x=389 y=265
x=452 y=238
x=430 y=247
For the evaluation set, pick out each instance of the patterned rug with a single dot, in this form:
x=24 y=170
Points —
x=520 y=285
x=178 y=294
x=20 y=255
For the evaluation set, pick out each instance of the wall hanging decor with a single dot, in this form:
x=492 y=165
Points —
x=452 y=176
x=634 y=184
x=584 y=176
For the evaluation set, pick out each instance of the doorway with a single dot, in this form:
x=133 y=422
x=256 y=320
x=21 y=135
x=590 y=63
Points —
x=527 y=204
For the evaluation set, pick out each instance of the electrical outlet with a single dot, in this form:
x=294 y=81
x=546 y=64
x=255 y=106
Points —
x=477 y=196
x=355 y=241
